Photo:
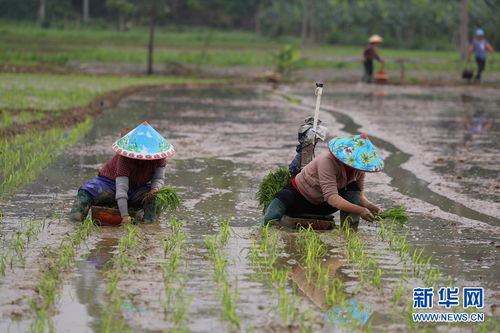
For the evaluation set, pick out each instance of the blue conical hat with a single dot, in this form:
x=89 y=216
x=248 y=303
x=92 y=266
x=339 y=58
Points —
x=143 y=143
x=358 y=152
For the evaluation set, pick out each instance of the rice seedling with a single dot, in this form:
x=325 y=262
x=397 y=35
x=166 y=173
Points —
x=175 y=303
x=25 y=156
x=264 y=254
x=111 y=320
x=3 y=265
x=398 y=291
x=53 y=92
x=397 y=215
x=6 y=119
x=50 y=281
x=307 y=322
x=166 y=199
x=225 y=231
x=17 y=242
x=271 y=184
x=229 y=300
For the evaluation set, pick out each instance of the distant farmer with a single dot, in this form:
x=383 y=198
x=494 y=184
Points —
x=371 y=54
x=131 y=177
x=331 y=181
x=479 y=47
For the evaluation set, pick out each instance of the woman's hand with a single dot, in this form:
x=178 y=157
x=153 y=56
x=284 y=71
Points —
x=375 y=209
x=150 y=195
x=367 y=215
x=125 y=220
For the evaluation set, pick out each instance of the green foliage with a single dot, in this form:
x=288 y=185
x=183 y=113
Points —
x=56 y=92
x=285 y=60
x=166 y=199
x=397 y=214
x=271 y=184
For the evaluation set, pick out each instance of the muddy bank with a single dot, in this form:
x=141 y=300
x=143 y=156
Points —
x=78 y=114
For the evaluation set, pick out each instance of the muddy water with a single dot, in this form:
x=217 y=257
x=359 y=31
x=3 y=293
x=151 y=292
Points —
x=226 y=140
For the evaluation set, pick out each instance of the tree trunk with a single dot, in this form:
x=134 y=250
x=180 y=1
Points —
x=312 y=21
x=41 y=13
x=85 y=10
x=121 y=21
x=153 y=15
x=305 y=17
x=257 y=20
x=464 y=31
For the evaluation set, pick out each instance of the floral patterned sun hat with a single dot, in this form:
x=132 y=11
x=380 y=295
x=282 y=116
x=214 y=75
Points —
x=357 y=151
x=143 y=143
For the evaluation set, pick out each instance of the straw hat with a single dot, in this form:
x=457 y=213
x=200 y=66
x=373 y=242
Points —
x=375 y=39
x=143 y=143
x=358 y=152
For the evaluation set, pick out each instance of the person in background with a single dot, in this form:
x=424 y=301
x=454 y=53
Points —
x=371 y=54
x=332 y=181
x=479 y=47
x=132 y=176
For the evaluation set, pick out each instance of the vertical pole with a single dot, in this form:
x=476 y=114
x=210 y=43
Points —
x=318 y=92
x=41 y=13
x=85 y=10
x=151 y=36
x=464 y=31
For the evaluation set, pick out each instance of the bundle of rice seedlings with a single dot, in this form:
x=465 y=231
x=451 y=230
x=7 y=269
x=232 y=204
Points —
x=271 y=184
x=166 y=199
x=397 y=214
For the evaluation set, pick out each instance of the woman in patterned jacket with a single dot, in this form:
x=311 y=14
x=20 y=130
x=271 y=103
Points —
x=135 y=173
x=332 y=181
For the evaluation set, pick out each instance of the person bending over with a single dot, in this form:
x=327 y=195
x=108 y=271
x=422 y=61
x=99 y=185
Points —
x=332 y=181
x=131 y=177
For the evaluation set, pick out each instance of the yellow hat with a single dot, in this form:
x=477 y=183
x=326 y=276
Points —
x=375 y=39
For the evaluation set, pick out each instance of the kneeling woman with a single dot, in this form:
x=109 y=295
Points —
x=132 y=176
x=332 y=181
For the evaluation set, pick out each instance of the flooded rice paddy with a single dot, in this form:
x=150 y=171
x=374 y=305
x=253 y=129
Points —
x=439 y=165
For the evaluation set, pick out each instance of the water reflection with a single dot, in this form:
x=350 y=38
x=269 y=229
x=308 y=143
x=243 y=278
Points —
x=88 y=286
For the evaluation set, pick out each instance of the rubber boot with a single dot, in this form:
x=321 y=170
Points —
x=150 y=213
x=352 y=220
x=274 y=212
x=81 y=206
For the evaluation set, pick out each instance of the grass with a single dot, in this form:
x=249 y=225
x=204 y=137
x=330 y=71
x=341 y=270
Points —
x=26 y=155
x=52 y=92
x=271 y=184
x=30 y=45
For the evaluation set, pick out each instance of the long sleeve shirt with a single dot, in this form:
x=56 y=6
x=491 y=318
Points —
x=325 y=176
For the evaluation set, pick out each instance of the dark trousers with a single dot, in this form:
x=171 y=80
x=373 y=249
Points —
x=297 y=205
x=481 y=64
x=368 y=64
